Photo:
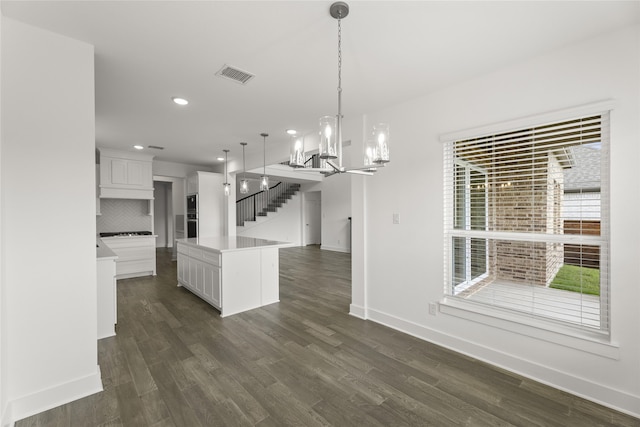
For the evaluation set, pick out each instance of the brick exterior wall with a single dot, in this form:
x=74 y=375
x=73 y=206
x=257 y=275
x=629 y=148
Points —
x=527 y=204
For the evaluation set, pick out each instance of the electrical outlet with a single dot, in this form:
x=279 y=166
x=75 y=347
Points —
x=433 y=308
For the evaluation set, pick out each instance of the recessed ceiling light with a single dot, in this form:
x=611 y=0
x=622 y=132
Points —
x=138 y=147
x=292 y=131
x=180 y=101
x=220 y=159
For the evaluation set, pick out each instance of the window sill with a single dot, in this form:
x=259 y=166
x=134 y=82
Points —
x=590 y=341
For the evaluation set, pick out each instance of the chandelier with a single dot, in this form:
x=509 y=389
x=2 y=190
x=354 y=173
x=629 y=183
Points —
x=376 y=147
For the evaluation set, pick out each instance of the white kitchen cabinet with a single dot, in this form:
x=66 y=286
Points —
x=136 y=255
x=211 y=202
x=125 y=175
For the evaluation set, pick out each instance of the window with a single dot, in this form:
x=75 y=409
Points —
x=526 y=221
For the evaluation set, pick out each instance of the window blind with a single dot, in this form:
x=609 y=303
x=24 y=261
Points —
x=526 y=220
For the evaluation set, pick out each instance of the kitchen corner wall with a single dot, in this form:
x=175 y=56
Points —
x=48 y=280
x=123 y=215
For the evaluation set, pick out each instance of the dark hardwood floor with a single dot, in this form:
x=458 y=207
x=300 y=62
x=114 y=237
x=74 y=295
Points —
x=301 y=362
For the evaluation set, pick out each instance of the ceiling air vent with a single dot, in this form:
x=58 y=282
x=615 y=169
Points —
x=156 y=147
x=235 y=74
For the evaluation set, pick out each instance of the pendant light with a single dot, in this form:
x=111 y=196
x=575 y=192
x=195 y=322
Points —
x=244 y=182
x=264 y=179
x=376 y=147
x=227 y=186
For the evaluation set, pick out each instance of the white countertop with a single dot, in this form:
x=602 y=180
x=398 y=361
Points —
x=233 y=243
x=129 y=237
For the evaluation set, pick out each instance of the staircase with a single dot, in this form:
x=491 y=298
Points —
x=260 y=204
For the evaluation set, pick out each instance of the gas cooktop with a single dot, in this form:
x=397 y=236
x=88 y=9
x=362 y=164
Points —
x=125 y=233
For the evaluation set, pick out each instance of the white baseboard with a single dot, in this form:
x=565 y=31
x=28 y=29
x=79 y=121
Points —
x=357 y=311
x=335 y=249
x=6 y=420
x=44 y=400
x=598 y=393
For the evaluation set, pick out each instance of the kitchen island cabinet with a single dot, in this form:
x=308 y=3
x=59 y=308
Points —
x=232 y=273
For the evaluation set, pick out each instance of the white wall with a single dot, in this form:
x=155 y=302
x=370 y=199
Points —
x=161 y=192
x=48 y=266
x=336 y=209
x=283 y=225
x=178 y=170
x=402 y=265
x=4 y=416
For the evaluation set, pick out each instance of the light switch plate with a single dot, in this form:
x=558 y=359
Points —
x=396 y=218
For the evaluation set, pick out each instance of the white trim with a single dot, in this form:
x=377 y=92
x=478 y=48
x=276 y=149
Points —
x=530 y=121
x=61 y=394
x=604 y=395
x=589 y=341
x=335 y=249
x=357 y=311
x=7 y=420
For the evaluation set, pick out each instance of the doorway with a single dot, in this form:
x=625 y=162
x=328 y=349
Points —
x=163 y=213
x=312 y=218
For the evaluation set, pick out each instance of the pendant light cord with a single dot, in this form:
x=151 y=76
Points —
x=244 y=164
x=339 y=118
x=339 y=62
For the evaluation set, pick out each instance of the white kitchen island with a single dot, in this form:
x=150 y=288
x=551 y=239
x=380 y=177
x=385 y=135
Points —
x=232 y=273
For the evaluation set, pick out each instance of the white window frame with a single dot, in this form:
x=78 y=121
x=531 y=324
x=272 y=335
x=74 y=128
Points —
x=597 y=341
x=456 y=289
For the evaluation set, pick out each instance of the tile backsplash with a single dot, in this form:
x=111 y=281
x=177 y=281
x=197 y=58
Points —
x=123 y=215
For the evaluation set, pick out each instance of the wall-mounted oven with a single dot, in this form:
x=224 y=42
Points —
x=192 y=215
x=192 y=225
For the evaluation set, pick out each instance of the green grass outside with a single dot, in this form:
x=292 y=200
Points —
x=577 y=279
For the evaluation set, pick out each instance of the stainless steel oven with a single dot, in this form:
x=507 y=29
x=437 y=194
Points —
x=192 y=203
x=192 y=215
x=192 y=225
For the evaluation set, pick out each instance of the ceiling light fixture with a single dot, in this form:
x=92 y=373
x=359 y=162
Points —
x=138 y=147
x=244 y=182
x=227 y=186
x=292 y=131
x=376 y=149
x=264 y=179
x=179 y=101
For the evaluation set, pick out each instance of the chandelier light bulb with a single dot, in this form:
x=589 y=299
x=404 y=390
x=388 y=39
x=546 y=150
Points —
x=328 y=147
x=297 y=156
x=381 y=135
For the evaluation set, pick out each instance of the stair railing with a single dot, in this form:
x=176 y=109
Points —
x=250 y=207
x=313 y=161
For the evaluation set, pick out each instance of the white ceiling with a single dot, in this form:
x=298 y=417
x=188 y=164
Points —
x=147 y=52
